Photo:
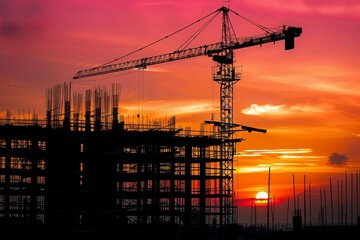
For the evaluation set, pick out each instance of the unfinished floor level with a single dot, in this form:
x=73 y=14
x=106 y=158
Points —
x=74 y=173
x=69 y=179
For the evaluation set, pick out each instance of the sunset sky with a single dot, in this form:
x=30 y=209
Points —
x=308 y=98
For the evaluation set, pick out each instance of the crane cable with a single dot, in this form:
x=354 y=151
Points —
x=161 y=39
x=266 y=29
x=197 y=33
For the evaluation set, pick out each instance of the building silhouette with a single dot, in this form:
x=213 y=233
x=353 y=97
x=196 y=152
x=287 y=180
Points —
x=65 y=175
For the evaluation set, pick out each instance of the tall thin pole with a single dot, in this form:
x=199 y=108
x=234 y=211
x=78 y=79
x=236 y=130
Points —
x=252 y=211
x=331 y=203
x=268 y=202
x=346 y=200
x=325 y=210
x=351 y=198
x=357 y=194
x=273 y=214
x=294 y=193
x=338 y=200
x=304 y=201
x=255 y=214
x=341 y=202
x=287 y=212
x=310 y=204
x=321 y=213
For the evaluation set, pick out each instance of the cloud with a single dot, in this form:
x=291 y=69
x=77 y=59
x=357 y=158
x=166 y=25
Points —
x=277 y=167
x=331 y=3
x=337 y=159
x=283 y=109
x=333 y=7
x=299 y=157
x=171 y=107
x=280 y=151
x=19 y=18
x=329 y=7
x=256 y=109
x=331 y=87
x=156 y=3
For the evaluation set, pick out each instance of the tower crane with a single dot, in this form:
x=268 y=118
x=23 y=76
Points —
x=222 y=54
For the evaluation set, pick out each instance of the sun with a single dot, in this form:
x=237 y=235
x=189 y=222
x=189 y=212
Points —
x=261 y=196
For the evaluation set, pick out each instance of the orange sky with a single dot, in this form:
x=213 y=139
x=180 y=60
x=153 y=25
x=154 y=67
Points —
x=307 y=98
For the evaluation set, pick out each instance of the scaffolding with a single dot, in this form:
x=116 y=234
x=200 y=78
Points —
x=71 y=173
x=22 y=172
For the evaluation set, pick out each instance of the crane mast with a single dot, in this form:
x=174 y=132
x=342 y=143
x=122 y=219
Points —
x=226 y=76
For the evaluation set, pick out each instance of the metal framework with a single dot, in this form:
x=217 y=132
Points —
x=226 y=75
x=22 y=173
x=72 y=173
x=110 y=179
x=210 y=50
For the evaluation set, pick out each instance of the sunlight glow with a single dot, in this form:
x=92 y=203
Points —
x=171 y=108
x=261 y=195
x=300 y=157
x=279 y=151
x=251 y=169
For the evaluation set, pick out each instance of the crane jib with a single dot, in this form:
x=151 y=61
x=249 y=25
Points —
x=212 y=50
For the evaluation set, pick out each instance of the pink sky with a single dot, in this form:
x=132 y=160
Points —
x=307 y=98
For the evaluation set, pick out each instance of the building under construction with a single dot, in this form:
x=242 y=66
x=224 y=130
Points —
x=85 y=168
